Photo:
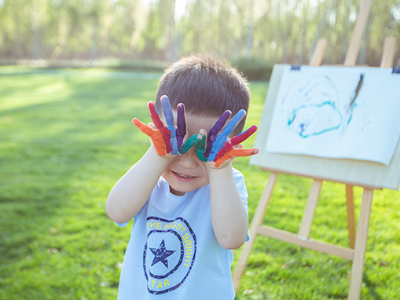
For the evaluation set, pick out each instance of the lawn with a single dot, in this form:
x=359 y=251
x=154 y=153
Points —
x=66 y=137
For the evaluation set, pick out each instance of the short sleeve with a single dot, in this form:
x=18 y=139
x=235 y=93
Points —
x=241 y=186
x=121 y=224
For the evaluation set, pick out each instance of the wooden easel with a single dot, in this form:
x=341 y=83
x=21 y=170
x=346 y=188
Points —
x=357 y=242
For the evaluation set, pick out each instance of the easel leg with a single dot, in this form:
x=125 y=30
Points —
x=308 y=216
x=257 y=220
x=361 y=245
x=350 y=216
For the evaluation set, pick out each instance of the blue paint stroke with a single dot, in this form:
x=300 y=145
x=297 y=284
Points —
x=226 y=131
x=169 y=117
x=315 y=119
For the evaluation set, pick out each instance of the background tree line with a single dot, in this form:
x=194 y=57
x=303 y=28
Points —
x=278 y=31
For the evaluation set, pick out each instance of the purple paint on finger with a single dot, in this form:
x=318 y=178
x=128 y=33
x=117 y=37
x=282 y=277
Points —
x=181 y=124
x=218 y=125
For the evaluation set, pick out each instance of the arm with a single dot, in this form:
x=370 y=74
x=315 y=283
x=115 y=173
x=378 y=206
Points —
x=228 y=214
x=131 y=192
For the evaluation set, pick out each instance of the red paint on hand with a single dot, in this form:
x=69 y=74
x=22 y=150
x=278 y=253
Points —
x=160 y=126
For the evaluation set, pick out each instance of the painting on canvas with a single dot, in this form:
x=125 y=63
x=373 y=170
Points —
x=337 y=112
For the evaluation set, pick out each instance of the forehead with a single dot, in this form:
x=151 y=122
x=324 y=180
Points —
x=195 y=123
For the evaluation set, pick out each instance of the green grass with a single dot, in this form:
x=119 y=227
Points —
x=64 y=142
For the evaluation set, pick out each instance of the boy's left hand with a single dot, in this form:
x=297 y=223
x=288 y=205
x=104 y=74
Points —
x=220 y=149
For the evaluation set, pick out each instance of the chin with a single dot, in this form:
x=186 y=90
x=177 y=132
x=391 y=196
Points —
x=180 y=186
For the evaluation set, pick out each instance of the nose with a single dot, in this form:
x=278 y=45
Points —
x=189 y=160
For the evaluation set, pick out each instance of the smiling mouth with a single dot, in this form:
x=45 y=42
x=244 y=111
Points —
x=183 y=175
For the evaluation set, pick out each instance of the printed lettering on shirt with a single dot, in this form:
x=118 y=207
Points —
x=169 y=254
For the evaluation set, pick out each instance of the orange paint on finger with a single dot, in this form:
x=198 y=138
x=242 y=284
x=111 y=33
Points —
x=245 y=152
x=155 y=135
x=224 y=158
x=147 y=130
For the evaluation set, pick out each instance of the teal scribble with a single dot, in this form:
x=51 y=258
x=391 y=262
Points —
x=315 y=119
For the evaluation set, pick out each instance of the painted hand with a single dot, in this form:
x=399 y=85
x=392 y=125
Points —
x=166 y=140
x=220 y=150
x=229 y=151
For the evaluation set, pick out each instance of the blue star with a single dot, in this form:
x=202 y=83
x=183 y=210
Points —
x=161 y=254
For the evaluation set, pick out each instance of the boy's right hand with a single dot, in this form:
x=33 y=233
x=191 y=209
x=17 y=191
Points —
x=167 y=141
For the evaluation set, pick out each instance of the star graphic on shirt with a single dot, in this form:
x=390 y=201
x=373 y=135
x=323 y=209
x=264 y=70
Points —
x=161 y=254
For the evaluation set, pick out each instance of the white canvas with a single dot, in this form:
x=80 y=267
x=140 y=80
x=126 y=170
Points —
x=337 y=112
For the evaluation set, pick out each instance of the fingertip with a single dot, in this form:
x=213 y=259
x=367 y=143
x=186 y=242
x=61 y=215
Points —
x=164 y=98
x=227 y=112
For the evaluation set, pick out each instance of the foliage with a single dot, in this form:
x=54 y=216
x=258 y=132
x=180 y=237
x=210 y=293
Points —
x=254 y=67
x=109 y=63
x=284 y=31
x=67 y=137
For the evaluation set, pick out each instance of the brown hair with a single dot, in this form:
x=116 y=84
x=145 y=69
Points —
x=207 y=85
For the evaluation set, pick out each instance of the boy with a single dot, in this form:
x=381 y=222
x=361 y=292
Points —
x=189 y=210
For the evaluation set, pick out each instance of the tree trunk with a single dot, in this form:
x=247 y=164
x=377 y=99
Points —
x=249 y=37
x=93 y=48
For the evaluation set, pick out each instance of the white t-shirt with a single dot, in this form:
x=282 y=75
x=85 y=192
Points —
x=173 y=252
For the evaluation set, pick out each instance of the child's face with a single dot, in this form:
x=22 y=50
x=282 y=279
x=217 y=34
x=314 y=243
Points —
x=188 y=164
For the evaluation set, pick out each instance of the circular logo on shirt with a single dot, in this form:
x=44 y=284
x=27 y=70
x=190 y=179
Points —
x=169 y=254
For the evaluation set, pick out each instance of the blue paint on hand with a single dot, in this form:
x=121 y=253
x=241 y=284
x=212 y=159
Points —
x=212 y=134
x=223 y=136
x=169 y=117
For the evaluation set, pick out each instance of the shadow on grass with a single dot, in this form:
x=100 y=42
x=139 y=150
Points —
x=371 y=289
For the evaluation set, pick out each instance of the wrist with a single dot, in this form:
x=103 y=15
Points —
x=167 y=158
x=211 y=169
x=155 y=159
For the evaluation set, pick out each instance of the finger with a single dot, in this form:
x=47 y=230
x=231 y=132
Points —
x=143 y=127
x=169 y=117
x=181 y=124
x=155 y=116
x=245 y=152
x=159 y=145
x=223 y=136
x=160 y=125
x=233 y=122
x=244 y=135
x=200 y=148
x=193 y=140
x=155 y=136
x=228 y=147
x=227 y=156
x=215 y=129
